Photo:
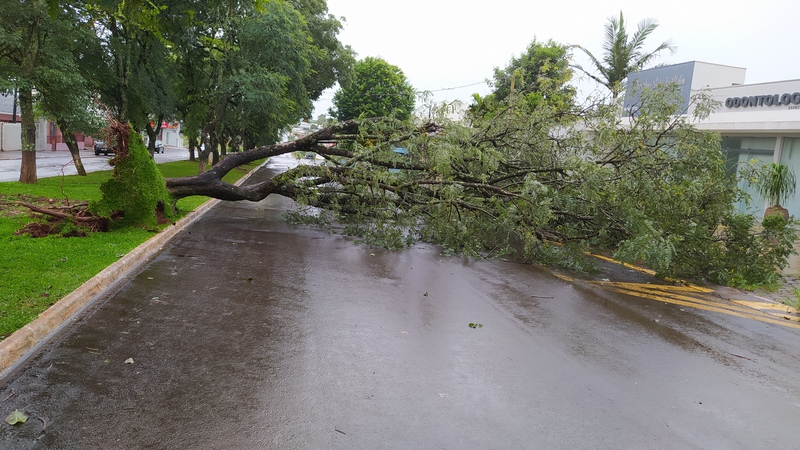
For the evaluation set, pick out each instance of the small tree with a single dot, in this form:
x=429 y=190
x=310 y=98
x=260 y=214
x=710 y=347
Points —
x=377 y=89
x=135 y=195
x=776 y=183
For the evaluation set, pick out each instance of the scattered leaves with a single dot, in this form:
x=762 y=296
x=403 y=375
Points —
x=129 y=361
x=475 y=325
x=17 y=417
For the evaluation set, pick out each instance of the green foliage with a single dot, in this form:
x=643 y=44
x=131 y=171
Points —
x=377 y=89
x=308 y=216
x=744 y=256
x=136 y=191
x=776 y=183
x=540 y=75
x=245 y=71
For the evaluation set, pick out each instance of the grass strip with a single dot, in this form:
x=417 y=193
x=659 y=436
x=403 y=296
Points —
x=37 y=272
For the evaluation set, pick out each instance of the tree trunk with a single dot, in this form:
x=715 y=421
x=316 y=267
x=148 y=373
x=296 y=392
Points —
x=152 y=134
x=205 y=150
x=14 y=109
x=192 y=145
x=72 y=145
x=122 y=59
x=27 y=172
x=214 y=152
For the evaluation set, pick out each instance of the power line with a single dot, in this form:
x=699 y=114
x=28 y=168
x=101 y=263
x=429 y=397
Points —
x=457 y=87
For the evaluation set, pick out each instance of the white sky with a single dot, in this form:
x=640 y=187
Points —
x=442 y=44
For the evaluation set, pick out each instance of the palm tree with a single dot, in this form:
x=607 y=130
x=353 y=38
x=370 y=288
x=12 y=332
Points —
x=622 y=56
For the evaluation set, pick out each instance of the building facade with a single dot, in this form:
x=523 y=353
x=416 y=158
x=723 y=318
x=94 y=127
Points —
x=759 y=121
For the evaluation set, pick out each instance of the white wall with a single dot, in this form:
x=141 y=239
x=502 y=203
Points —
x=10 y=136
x=707 y=75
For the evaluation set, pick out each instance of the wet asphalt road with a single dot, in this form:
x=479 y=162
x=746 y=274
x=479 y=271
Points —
x=251 y=333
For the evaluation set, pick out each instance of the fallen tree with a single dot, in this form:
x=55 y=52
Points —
x=547 y=184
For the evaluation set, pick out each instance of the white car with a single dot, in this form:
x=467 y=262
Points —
x=159 y=148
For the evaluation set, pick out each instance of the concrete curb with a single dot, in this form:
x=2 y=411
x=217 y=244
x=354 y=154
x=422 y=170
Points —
x=23 y=343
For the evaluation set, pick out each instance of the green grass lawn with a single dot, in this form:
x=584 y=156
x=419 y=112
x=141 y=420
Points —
x=37 y=272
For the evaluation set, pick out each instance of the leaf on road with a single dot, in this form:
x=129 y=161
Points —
x=16 y=418
x=129 y=361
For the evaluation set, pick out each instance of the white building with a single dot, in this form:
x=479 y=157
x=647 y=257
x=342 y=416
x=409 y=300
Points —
x=756 y=121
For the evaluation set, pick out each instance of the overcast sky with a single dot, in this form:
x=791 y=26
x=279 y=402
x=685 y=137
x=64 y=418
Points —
x=445 y=44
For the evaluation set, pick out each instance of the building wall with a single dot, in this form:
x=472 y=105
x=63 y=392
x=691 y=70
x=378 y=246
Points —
x=707 y=75
x=757 y=122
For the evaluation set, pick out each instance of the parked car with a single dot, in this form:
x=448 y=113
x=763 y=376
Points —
x=101 y=147
x=159 y=148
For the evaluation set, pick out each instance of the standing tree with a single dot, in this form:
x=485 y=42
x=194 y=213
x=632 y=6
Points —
x=66 y=95
x=246 y=71
x=24 y=34
x=622 y=55
x=377 y=89
x=540 y=75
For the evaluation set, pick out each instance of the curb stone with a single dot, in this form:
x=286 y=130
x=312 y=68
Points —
x=25 y=342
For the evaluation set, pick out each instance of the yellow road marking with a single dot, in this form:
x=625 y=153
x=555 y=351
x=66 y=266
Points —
x=762 y=311
x=630 y=266
x=564 y=277
x=767 y=305
x=655 y=292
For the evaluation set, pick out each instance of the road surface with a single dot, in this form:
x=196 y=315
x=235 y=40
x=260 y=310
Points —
x=249 y=332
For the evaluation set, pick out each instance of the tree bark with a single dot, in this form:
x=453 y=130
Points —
x=214 y=152
x=152 y=134
x=205 y=150
x=72 y=145
x=27 y=172
x=210 y=182
x=192 y=146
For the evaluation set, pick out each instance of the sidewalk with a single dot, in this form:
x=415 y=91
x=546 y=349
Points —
x=17 y=154
x=51 y=163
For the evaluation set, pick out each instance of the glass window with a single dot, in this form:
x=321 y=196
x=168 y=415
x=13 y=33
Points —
x=740 y=151
x=790 y=155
